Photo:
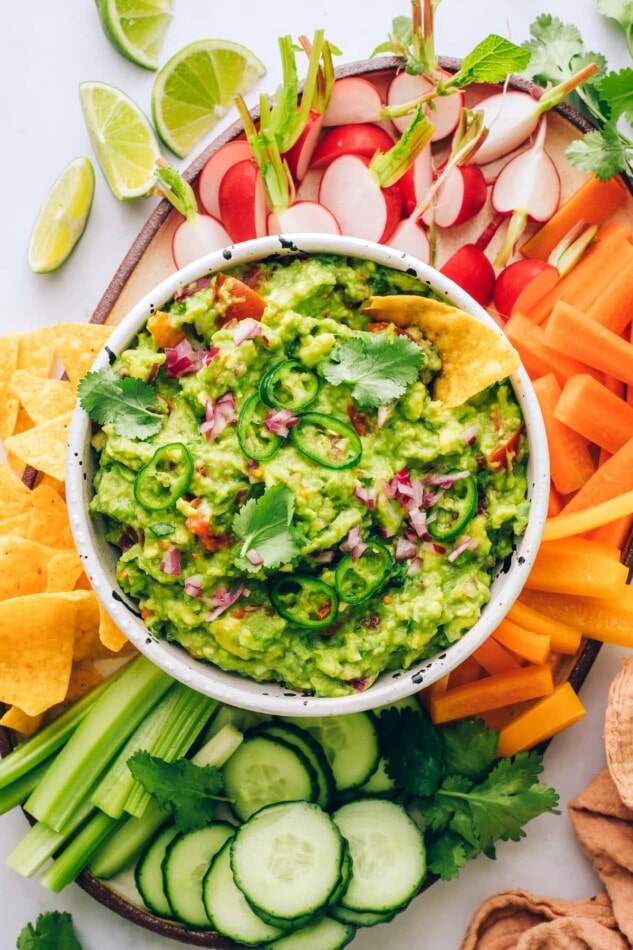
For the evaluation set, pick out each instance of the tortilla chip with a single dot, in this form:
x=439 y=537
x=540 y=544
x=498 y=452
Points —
x=43 y=446
x=16 y=524
x=16 y=719
x=41 y=398
x=49 y=519
x=88 y=644
x=64 y=570
x=23 y=566
x=37 y=634
x=109 y=633
x=23 y=420
x=9 y=349
x=15 y=497
x=77 y=345
x=54 y=483
x=36 y=351
x=83 y=676
x=473 y=354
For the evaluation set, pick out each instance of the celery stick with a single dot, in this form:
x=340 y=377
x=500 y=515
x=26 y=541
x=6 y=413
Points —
x=77 y=854
x=18 y=791
x=242 y=719
x=130 y=838
x=49 y=739
x=40 y=842
x=96 y=742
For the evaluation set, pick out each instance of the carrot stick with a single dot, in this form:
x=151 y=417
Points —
x=590 y=409
x=612 y=478
x=530 y=646
x=538 y=358
x=555 y=503
x=563 y=639
x=576 y=572
x=579 y=522
x=609 y=620
x=571 y=462
x=494 y=658
x=617 y=533
x=439 y=686
x=614 y=307
x=571 y=332
x=583 y=546
x=467 y=672
x=593 y=202
x=541 y=721
x=492 y=692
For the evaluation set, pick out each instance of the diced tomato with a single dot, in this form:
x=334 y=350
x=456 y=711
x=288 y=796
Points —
x=237 y=300
x=163 y=333
x=501 y=456
x=199 y=525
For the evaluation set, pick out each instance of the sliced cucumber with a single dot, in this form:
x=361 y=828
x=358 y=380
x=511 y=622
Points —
x=324 y=934
x=263 y=771
x=148 y=873
x=301 y=739
x=187 y=859
x=350 y=744
x=227 y=908
x=346 y=876
x=380 y=783
x=360 y=918
x=388 y=855
x=287 y=860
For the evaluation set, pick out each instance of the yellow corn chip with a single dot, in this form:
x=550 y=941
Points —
x=43 y=446
x=64 y=570
x=77 y=345
x=474 y=355
x=23 y=566
x=83 y=676
x=41 y=398
x=36 y=351
x=109 y=633
x=49 y=519
x=23 y=420
x=16 y=719
x=15 y=497
x=54 y=483
x=9 y=348
x=17 y=524
x=88 y=644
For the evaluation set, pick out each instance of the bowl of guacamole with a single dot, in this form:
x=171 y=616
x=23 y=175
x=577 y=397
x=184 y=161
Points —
x=308 y=475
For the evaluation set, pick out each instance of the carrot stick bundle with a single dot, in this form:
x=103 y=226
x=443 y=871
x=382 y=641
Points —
x=571 y=462
x=609 y=620
x=541 y=721
x=596 y=413
x=492 y=692
x=571 y=332
x=530 y=646
x=576 y=572
x=613 y=477
x=563 y=638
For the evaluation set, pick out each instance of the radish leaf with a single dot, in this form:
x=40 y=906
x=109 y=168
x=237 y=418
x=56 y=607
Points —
x=491 y=61
x=378 y=369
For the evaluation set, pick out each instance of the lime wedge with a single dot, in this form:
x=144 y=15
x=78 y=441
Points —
x=122 y=137
x=62 y=218
x=195 y=88
x=136 y=27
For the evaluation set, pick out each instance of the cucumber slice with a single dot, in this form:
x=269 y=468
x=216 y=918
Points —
x=388 y=855
x=380 y=783
x=148 y=873
x=324 y=934
x=360 y=918
x=187 y=859
x=287 y=860
x=350 y=744
x=263 y=771
x=227 y=908
x=301 y=739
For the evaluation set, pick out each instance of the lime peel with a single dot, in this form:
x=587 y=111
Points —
x=63 y=217
x=136 y=28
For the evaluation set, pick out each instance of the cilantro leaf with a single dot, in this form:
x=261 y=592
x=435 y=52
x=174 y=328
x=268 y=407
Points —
x=53 y=930
x=446 y=854
x=617 y=90
x=264 y=524
x=621 y=11
x=491 y=61
x=125 y=403
x=469 y=748
x=603 y=153
x=191 y=790
x=553 y=47
x=379 y=369
x=412 y=748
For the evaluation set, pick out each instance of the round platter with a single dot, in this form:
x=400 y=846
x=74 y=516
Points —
x=149 y=261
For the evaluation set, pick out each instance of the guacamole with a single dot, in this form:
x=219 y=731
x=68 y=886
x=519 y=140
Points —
x=304 y=511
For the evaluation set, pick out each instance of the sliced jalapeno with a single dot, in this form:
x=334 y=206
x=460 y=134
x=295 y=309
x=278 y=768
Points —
x=454 y=509
x=357 y=580
x=256 y=440
x=164 y=478
x=327 y=441
x=289 y=385
x=305 y=601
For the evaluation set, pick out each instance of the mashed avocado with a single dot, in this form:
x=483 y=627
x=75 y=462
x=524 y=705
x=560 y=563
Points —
x=306 y=513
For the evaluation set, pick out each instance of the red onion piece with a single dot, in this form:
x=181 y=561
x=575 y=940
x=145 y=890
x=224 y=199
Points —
x=170 y=563
x=182 y=360
x=193 y=288
x=366 y=495
x=246 y=329
x=323 y=557
x=417 y=520
x=405 y=549
x=470 y=434
x=222 y=599
x=466 y=544
x=193 y=585
x=254 y=557
x=218 y=416
x=445 y=479
x=279 y=421
x=353 y=543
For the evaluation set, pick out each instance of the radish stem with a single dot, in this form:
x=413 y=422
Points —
x=389 y=166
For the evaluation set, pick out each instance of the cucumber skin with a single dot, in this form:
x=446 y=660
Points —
x=296 y=736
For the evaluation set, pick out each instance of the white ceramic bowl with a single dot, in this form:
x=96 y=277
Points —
x=100 y=558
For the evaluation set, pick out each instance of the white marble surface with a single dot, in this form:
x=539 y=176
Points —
x=46 y=49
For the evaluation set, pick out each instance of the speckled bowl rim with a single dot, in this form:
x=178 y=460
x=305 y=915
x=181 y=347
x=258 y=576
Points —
x=99 y=558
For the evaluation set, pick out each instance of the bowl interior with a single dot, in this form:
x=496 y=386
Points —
x=100 y=558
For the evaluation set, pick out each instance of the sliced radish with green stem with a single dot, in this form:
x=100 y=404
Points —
x=416 y=181
x=461 y=197
x=315 y=97
x=242 y=201
x=470 y=268
x=410 y=237
x=353 y=99
x=213 y=171
x=443 y=111
x=357 y=138
x=198 y=234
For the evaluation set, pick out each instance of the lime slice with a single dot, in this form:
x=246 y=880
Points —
x=195 y=88
x=136 y=27
x=63 y=217
x=122 y=137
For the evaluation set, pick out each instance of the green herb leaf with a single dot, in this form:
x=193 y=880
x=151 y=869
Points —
x=53 y=930
x=446 y=854
x=379 y=369
x=491 y=61
x=553 y=47
x=603 y=153
x=412 y=749
x=127 y=404
x=617 y=90
x=192 y=791
x=469 y=748
x=264 y=524
x=619 y=10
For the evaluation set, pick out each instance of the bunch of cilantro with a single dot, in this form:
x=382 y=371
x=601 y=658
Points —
x=557 y=52
x=467 y=798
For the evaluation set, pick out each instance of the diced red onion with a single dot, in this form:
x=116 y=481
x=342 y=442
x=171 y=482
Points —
x=218 y=416
x=470 y=434
x=193 y=585
x=279 y=421
x=353 y=543
x=182 y=360
x=170 y=563
x=414 y=494
x=193 y=288
x=466 y=544
x=323 y=557
x=415 y=566
x=366 y=495
x=389 y=488
x=405 y=549
x=433 y=547
x=246 y=329
x=430 y=498
x=417 y=520
x=384 y=414
x=222 y=599
x=254 y=557
x=445 y=479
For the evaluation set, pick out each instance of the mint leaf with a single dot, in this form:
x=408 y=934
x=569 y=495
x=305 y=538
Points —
x=53 y=930
x=470 y=748
x=617 y=90
x=128 y=404
x=379 y=369
x=264 y=524
x=192 y=791
x=603 y=153
x=412 y=749
x=491 y=61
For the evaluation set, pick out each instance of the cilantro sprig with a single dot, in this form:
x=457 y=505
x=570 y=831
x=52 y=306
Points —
x=379 y=369
x=53 y=930
x=129 y=405
x=264 y=525
x=191 y=791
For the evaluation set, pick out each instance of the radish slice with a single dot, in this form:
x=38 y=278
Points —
x=510 y=118
x=303 y=216
x=197 y=236
x=472 y=271
x=461 y=197
x=357 y=138
x=299 y=157
x=410 y=237
x=353 y=99
x=350 y=190
x=514 y=278
x=405 y=87
x=243 y=202
x=416 y=181
x=213 y=171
